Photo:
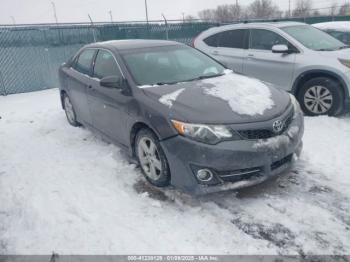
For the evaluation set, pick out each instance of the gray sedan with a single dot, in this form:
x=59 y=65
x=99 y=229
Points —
x=185 y=118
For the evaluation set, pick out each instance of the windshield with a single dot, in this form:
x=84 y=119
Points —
x=313 y=38
x=169 y=65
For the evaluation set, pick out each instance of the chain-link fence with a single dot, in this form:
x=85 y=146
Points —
x=30 y=55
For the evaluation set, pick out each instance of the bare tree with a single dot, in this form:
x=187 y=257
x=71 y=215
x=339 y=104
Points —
x=223 y=13
x=303 y=8
x=344 y=9
x=189 y=18
x=333 y=9
x=207 y=14
x=263 y=9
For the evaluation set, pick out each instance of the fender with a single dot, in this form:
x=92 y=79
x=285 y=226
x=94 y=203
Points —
x=319 y=72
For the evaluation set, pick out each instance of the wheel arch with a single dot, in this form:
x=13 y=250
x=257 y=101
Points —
x=136 y=127
x=62 y=93
x=305 y=76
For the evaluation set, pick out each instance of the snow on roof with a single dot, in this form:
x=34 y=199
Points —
x=336 y=25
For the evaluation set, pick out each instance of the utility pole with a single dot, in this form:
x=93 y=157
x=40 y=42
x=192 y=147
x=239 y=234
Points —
x=146 y=8
x=54 y=12
x=289 y=9
x=183 y=17
x=92 y=27
x=13 y=20
x=111 y=15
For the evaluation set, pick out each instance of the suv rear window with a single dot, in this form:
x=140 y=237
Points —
x=212 y=40
x=231 y=39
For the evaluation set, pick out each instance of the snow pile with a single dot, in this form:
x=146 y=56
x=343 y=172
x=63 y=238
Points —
x=272 y=143
x=63 y=189
x=169 y=99
x=246 y=96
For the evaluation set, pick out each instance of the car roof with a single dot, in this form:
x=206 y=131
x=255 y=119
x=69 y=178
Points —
x=130 y=44
x=280 y=24
x=334 y=25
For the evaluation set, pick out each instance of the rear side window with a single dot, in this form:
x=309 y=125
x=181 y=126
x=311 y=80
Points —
x=105 y=65
x=233 y=39
x=84 y=61
x=212 y=40
x=262 y=39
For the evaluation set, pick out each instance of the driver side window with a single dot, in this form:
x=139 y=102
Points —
x=105 y=65
x=262 y=39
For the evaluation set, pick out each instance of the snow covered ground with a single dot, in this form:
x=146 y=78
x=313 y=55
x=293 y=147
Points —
x=63 y=189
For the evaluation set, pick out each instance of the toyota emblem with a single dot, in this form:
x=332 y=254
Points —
x=277 y=126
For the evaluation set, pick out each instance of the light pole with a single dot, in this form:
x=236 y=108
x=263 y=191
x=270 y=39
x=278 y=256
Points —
x=289 y=8
x=13 y=20
x=111 y=15
x=54 y=12
x=146 y=8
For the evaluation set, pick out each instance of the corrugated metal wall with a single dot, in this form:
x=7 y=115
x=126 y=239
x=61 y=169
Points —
x=30 y=55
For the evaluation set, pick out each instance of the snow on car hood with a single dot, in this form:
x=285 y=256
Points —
x=230 y=98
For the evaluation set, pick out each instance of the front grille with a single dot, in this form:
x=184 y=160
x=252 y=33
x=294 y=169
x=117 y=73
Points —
x=240 y=174
x=281 y=162
x=265 y=133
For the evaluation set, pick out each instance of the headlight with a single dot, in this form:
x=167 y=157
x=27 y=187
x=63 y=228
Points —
x=296 y=105
x=345 y=62
x=209 y=134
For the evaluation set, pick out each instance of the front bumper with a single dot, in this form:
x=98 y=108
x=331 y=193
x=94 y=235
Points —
x=271 y=157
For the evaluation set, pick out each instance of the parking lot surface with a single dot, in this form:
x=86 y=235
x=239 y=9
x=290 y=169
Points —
x=63 y=189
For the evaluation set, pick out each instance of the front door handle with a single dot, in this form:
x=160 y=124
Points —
x=215 y=52
x=250 y=55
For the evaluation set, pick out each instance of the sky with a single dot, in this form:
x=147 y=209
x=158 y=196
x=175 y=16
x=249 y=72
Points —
x=41 y=11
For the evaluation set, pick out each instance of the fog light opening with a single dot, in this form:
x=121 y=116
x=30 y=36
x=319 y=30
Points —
x=204 y=175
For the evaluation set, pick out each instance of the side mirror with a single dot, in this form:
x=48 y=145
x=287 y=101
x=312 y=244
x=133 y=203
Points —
x=111 y=82
x=280 y=49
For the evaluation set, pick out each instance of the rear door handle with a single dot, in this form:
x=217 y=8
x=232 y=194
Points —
x=250 y=55
x=215 y=52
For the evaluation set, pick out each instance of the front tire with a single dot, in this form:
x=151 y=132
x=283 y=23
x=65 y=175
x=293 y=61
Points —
x=321 y=96
x=151 y=158
x=69 y=110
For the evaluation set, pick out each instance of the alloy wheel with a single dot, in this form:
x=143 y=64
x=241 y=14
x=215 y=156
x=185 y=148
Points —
x=149 y=158
x=318 y=99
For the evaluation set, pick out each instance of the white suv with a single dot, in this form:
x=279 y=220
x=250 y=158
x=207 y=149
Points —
x=293 y=56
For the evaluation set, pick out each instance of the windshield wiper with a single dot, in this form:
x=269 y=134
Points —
x=190 y=80
x=325 y=49
x=203 y=77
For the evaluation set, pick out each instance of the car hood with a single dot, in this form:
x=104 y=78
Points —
x=342 y=54
x=227 y=99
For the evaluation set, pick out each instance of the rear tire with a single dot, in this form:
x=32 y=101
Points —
x=69 y=110
x=321 y=96
x=151 y=158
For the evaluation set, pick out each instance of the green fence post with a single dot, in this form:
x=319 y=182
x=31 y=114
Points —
x=2 y=86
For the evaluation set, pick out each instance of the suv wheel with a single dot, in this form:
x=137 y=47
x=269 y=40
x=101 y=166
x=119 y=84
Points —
x=70 y=112
x=151 y=157
x=321 y=96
